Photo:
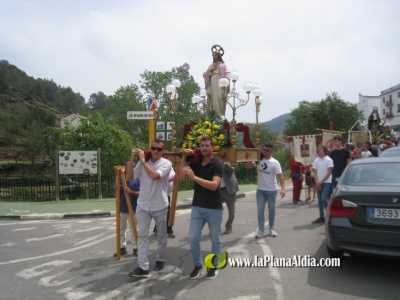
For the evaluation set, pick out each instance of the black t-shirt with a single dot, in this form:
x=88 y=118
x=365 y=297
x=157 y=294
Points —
x=204 y=197
x=339 y=158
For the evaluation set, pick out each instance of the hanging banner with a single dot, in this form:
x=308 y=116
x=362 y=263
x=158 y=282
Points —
x=305 y=149
x=327 y=139
x=358 y=139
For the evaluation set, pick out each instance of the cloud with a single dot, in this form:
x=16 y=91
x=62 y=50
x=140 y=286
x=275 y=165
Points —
x=295 y=50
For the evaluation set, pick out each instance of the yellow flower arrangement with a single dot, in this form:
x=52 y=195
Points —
x=213 y=129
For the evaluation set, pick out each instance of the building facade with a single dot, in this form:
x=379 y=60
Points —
x=74 y=120
x=388 y=105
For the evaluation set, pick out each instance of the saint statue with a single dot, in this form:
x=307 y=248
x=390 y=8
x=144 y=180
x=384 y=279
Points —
x=374 y=118
x=216 y=98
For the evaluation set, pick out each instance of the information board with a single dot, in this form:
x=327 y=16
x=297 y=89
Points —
x=77 y=162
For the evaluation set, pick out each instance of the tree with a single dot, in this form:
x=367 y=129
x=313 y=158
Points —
x=128 y=98
x=154 y=83
x=34 y=143
x=317 y=114
x=96 y=133
x=97 y=101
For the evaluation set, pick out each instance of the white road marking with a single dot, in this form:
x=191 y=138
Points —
x=88 y=240
x=44 y=238
x=8 y=244
x=23 y=229
x=251 y=297
x=57 y=253
x=72 y=294
x=48 y=281
x=32 y=272
x=108 y=296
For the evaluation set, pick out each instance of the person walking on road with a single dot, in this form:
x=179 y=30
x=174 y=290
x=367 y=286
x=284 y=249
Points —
x=341 y=158
x=296 y=173
x=172 y=178
x=322 y=168
x=268 y=169
x=228 y=189
x=206 y=204
x=152 y=204
x=133 y=189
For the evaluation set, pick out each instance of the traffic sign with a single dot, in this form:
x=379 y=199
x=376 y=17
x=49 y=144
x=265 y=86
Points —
x=141 y=115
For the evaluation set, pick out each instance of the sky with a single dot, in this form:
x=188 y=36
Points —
x=295 y=50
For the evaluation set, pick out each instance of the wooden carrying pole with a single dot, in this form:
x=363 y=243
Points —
x=117 y=212
x=174 y=200
x=121 y=174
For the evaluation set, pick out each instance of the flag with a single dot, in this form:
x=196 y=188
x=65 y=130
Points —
x=151 y=103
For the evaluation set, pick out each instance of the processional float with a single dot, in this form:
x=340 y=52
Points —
x=229 y=153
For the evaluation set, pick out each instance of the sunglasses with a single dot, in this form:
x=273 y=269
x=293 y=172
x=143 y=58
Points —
x=156 y=148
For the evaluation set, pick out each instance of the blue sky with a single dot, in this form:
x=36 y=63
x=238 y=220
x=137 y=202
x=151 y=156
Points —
x=295 y=50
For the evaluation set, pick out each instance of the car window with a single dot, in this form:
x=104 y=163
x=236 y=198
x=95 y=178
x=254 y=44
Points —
x=391 y=153
x=376 y=174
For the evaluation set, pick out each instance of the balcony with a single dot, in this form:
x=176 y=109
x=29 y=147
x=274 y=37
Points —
x=389 y=115
x=389 y=103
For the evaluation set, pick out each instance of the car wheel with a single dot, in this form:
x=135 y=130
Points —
x=333 y=253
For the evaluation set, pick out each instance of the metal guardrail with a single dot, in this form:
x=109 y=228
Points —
x=82 y=186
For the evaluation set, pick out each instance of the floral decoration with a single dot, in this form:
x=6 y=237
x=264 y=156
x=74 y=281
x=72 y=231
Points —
x=212 y=128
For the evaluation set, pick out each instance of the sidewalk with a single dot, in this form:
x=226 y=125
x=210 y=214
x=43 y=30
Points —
x=67 y=209
x=85 y=208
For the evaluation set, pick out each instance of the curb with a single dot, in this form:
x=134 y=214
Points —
x=184 y=204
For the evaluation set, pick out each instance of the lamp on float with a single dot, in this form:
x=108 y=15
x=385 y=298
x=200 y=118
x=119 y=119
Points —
x=258 y=100
x=234 y=101
x=172 y=91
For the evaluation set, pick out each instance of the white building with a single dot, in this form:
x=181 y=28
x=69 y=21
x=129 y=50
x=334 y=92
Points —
x=390 y=99
x=74 y=120
x=366 y=105
x=388 y=104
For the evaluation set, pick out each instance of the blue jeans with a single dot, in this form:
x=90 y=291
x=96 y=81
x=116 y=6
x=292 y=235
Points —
x=335 y=180
x=199 y=217
x=262 y=198
x=323 y=198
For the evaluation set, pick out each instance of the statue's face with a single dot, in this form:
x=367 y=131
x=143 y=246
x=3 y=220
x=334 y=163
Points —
x=215 y=56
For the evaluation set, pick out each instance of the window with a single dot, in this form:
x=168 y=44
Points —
x=398 y=107
x=383 y=100
x=398 y=94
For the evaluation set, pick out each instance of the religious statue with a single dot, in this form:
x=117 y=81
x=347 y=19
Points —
x=216 y=98
x=374 y=118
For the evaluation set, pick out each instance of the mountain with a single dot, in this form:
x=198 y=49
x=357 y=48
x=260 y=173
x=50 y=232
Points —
x=277 y=124
x=25 y=101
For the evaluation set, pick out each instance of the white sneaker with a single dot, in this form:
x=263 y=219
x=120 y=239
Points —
x=259 y=234
x=272 y=233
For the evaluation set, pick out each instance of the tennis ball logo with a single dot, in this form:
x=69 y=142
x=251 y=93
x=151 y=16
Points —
x=208 y=261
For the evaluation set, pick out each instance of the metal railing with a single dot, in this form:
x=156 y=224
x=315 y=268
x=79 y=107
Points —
x=82 y=186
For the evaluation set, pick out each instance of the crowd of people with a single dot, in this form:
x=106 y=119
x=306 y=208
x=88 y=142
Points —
x=323 y=175
x=214 y=183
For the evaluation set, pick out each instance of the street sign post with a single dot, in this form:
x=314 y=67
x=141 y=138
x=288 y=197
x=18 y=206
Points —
x=141 y=115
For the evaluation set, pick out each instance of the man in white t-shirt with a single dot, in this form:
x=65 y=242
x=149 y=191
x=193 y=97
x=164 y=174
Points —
x=323 y=166
x=152 y=204
x=267 y=189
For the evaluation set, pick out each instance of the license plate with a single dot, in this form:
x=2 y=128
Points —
x=384 y=213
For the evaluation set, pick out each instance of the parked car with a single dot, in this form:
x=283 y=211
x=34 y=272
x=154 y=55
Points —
x=391 y=152
x=363 y=215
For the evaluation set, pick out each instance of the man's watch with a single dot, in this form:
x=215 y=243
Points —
x=143 y=161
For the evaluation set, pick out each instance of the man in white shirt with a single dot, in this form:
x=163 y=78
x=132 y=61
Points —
x=152 y=204
x=267 y=189
x=322 y=168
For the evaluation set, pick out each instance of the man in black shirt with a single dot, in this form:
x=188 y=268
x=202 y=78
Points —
x=341 y=158
x=207 y=203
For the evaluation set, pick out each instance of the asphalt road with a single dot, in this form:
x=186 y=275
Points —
x=72 y=259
